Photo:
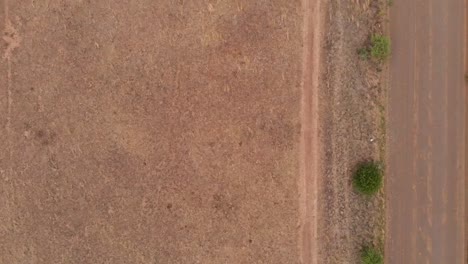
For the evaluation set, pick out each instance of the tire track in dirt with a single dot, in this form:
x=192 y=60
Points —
x=466 y=138
x=309 y=158
x=11 y=37
x=6 y=57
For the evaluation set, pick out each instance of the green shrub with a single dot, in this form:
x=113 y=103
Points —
x=371 y=255
x=380 y=47
x=368 y=178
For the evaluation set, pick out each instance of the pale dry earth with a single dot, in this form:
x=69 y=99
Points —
x=150 y=131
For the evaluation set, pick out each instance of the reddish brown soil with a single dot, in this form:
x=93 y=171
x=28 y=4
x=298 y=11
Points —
x=150 y=131
x=309 y=144
x=427 y=100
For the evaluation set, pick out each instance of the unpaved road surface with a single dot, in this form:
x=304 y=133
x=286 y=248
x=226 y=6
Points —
x=425 y=181
x=309 y=144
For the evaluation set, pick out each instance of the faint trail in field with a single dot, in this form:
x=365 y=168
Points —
x=12 y=39
x=309 y=141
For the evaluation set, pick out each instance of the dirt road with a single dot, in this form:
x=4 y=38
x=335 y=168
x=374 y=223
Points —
x=425 y=182
x=313 y=23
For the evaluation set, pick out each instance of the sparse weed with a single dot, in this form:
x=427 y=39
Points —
x=364 y=53
x=371 y=255
x=380 y=47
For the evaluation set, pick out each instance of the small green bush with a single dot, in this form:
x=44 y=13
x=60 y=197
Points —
x=371 y=255
x=368 y=178
x=380 y=47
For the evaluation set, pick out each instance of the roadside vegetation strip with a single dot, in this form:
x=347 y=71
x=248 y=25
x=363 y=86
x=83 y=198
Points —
x=368 y=179
x=355 y=114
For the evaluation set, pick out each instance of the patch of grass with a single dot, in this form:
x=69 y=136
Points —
x=368 y=178
x=371 y=255
x=364 y=53
x=380 y=47
x=389 y=2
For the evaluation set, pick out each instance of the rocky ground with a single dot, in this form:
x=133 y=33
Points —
x=352 y=123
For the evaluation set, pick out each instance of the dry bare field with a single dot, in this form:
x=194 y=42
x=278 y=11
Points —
x=150 y=131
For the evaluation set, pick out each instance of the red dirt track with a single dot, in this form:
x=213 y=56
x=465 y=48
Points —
x=426 y=158
x=309 y=158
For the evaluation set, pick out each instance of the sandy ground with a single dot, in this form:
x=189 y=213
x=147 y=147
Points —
x=352 y=130
x=150 y=131
x=427 y=133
